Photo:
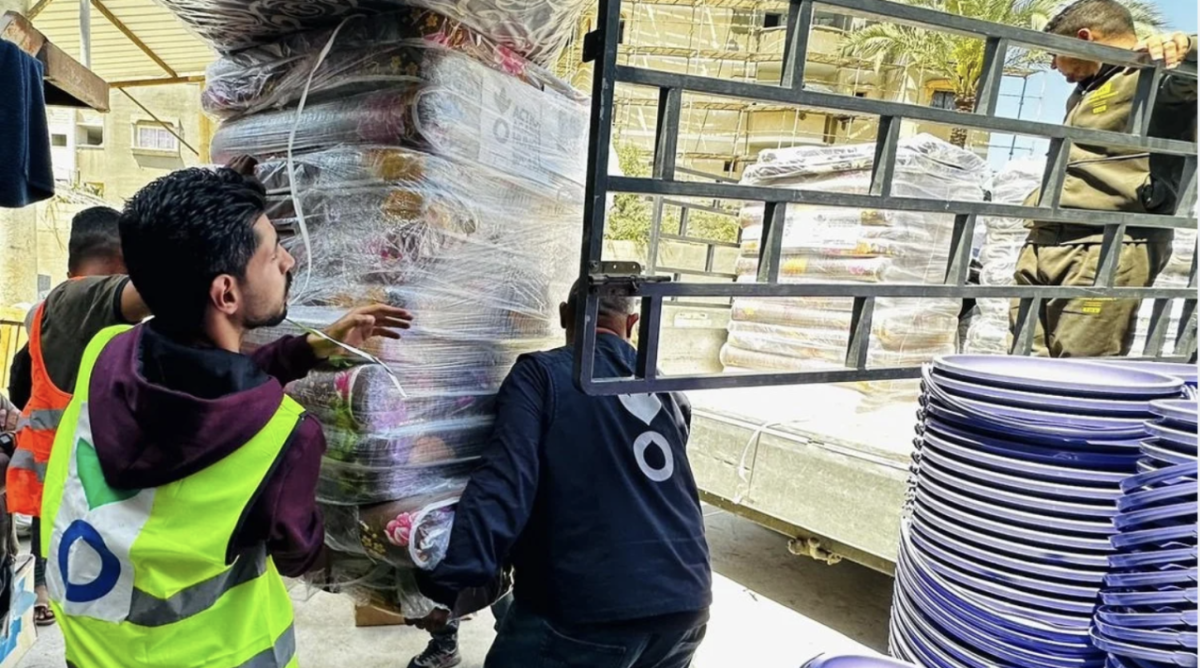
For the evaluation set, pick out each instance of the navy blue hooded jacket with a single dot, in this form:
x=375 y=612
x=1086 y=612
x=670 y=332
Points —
x=590 y=499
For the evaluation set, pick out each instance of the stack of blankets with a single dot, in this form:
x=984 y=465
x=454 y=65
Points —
x=434 y=166
x=990 y=333
x=838 y=244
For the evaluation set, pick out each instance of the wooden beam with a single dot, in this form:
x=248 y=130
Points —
x=68 y=83
x=37 y=9
x=120 y=25
x=160 y=81
x=166 y=126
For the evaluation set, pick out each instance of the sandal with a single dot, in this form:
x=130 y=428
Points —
x=43 y=615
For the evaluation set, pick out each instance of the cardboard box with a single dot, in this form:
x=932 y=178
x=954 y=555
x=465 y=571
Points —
x=20 y=632
x=365 y=615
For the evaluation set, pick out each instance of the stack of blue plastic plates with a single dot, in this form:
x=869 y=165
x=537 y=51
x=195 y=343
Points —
x=1017 y=478
x=1147 y=616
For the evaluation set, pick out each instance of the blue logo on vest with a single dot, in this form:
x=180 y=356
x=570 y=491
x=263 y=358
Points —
x=110 y=566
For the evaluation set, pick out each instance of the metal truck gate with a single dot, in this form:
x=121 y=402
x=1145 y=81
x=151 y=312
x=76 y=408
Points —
x=601 y=48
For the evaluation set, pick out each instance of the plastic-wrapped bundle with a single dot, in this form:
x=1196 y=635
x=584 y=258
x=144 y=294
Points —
x=989 y=331
x=454 y=106
x=923 y=152
x=397 y=49
x=410 y=533
x=536 y=29
x=837 y=244
x=479 y=256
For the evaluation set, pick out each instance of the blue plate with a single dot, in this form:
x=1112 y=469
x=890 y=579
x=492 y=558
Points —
x=1057 y=489
x=1185 y=372
x=1008 y=578
x=1185 y=512
x=1158 y=637
x=1023 y=652
x=963 y=651
x=991 y=614
x=1154 y=555
x=1057 y=539
x=1037 y=418
x=999 y=495
x=1165 y=454
x=1179 y=437
x=1097 y=527
x=1174 y=658
x=972 y=416
x=1141 y=537
x=1151 y=497
x=1151 y=476
x=1076 y=465
x=1153 y=618
x=1035 y=399
x=949 y=419
x=1052 y=375
x=1072 y=574
x=959 y=526
x=1070 y=606
x=1171 y=574
x=1180 y=411
x=1064 y=627
x=1166 y=595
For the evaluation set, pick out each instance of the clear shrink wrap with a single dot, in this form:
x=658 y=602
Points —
x=823 y=244
x=535 y=29
x=398 y=49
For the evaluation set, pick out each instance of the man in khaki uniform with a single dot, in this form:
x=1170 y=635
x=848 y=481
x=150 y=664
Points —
x=1107 y=179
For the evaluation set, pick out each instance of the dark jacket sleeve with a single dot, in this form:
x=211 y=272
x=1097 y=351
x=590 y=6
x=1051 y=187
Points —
x=285 y=515
x=290 y=358
x=498 y=500
x=1179 y=89
x=20 y=378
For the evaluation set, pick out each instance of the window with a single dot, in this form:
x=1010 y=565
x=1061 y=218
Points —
x=772 y=20
x=860 y=93
x=835 y=21
x=621 y=32
x=89 y=135
x=151 y=136
x=727 y=167
x=58 y=140
x=942 y=99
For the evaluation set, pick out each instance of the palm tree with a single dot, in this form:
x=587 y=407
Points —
x=959 y=60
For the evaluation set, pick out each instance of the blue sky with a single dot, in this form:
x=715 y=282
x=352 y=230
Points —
x=1046 y=93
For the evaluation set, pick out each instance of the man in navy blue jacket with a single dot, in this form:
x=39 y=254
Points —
x=593 y=502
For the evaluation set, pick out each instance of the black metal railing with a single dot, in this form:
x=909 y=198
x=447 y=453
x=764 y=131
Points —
x=601 y=48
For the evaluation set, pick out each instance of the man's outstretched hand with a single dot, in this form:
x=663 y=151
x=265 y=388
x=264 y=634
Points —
x=1170 y=49
x=359 y=325
x=433 y=622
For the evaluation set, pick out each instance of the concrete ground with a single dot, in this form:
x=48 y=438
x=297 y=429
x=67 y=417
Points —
x=770 y=610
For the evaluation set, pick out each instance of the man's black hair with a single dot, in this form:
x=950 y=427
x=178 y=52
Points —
x=1106 y=17
x=182 y=231
x=95 y=235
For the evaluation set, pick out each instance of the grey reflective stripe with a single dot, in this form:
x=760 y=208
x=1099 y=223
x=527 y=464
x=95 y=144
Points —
x=23 y=460
x=279 y=655
x=149 y=610
x=44 y=419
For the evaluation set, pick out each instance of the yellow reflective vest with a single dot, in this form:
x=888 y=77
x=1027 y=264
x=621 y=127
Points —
x=144 y=578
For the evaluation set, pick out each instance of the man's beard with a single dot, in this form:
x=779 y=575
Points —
x=278 y=317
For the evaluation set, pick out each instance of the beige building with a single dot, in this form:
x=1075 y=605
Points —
x=105 y=158
x=743 y=40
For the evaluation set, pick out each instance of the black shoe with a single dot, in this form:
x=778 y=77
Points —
x=440 y=653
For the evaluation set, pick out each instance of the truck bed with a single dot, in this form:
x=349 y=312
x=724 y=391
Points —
x=807 y=461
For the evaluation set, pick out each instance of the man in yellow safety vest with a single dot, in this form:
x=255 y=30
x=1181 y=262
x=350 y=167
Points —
x=181 y=483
